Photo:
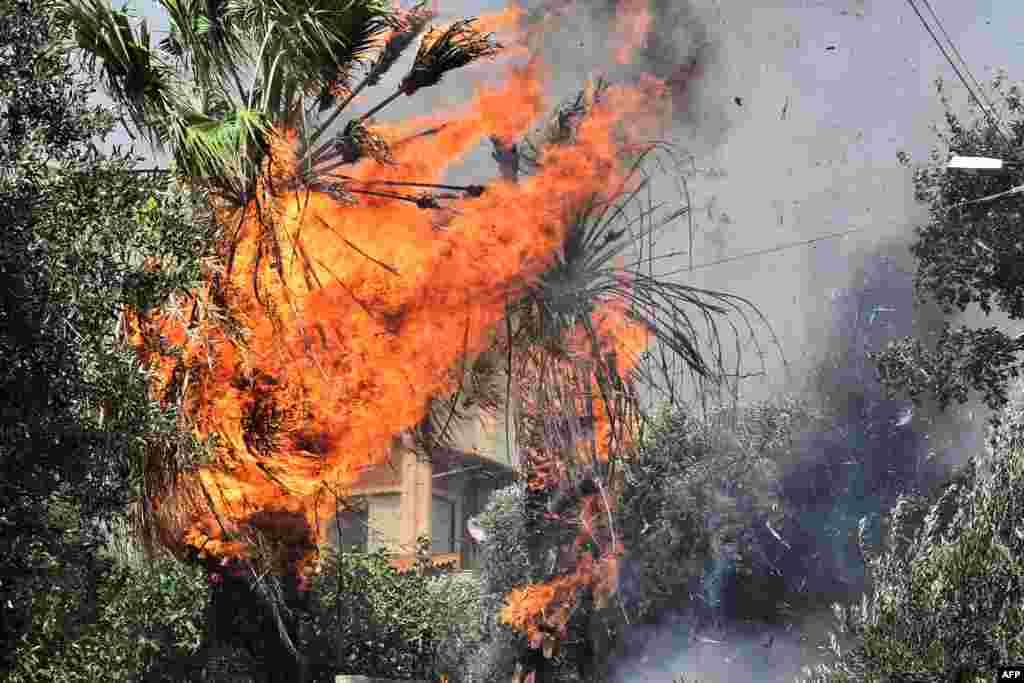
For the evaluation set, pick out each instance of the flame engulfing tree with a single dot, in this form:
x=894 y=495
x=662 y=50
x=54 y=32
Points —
x=326 y=329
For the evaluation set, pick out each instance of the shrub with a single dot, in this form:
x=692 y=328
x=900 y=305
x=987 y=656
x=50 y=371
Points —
x=948 y=587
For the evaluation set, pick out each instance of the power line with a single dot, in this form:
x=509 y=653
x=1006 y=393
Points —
x=762 y=252
x=988 y=113
x=963 y=62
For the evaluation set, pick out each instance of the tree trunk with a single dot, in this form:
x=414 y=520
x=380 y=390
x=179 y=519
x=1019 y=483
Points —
x=241 y=617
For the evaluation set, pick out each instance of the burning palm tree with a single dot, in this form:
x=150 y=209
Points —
x=347 y=263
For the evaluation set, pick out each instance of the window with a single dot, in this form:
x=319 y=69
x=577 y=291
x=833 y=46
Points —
x=353 y=527
x=442 y=523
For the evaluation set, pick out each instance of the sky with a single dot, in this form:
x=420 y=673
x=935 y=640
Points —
x=854 y=79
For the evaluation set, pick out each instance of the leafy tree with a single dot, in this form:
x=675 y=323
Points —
x=372 y=619
x=148 y=624
x=75 y=409
x=968 y=254
x=945 y=602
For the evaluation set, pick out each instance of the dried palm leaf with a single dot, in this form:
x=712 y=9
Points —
x=441 y=52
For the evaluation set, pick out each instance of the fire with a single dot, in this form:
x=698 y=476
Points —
x=542 y=611
x=342 y=317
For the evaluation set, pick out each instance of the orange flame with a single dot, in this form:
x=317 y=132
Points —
x=347 y=316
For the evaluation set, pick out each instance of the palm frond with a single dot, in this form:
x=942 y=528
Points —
x=355 y=142
x=363 y=39
x=130 y=71
x=410 y=26
x=590 y=271
x=561 y=129
x=222 y=153
x=205 y=42
x=307 y=44
x=414 y=23
x=440 y=52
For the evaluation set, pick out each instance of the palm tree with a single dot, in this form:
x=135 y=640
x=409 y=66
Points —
x=608 y=259
x=231 y=73
x=230 y=78
x=233 y=76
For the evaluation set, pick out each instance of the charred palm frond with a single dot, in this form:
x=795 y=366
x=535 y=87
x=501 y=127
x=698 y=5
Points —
x=470 y=190
x=410 y=26
x=561 y=130
x=413 y=25
x=401 y=142
x=336 y=191
x=354 y=143
x=362 y=40
x=440 y=52
x=425 y=201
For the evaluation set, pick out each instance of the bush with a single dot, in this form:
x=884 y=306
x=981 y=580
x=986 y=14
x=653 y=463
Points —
x=371 y=619
x=948 y=587
x=457 y=599
x=690 y=490
x=140 y=624
x=504 y=565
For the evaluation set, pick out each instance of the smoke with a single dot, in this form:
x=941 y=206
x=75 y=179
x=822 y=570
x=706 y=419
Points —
x=784 y=111
x=791 y=139
x=713 y=655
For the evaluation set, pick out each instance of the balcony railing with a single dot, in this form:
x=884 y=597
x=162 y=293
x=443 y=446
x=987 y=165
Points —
x=404 y=562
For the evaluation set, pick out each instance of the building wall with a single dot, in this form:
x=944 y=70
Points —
x=409 y=496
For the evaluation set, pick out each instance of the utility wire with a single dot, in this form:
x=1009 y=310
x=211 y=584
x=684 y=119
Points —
x=956 y=69
x=761 y=252
x=963 y=62
x=999 y=195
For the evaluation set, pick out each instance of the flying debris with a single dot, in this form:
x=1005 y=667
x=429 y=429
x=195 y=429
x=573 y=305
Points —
x=785 y=110
x=831 y=48
x=738 y=101
x=879 y=309
x=476 y=531
x=777 y=536
x=905 y=417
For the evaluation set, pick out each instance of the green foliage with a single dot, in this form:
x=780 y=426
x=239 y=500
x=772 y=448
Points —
x=968 y=254
x=504 y=565
x=75 y=415
x=369 y=618
x=147 y=623
x=457 y=599
x=690 y=489
x=679 y=506
x=947 y=587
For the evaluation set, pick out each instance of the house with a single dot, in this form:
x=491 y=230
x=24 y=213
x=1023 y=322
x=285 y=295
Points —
x=410 y=496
